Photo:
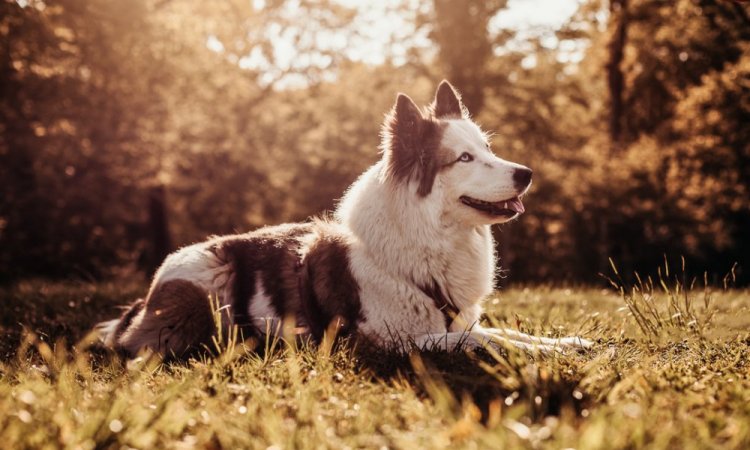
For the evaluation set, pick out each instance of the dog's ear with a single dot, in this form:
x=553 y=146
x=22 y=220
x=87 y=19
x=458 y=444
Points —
x=408 y=118
x=404 y=126
x=409 y=144
x=447 y=103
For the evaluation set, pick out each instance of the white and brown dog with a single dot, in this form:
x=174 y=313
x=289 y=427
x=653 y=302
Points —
x=407 y=258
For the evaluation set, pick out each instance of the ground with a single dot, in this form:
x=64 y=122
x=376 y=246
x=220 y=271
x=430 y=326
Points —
x=669 y=370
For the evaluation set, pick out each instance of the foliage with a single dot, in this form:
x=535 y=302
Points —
x=104 y=103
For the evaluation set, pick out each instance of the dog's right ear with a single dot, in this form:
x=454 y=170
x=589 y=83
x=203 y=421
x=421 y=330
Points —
x=409 y=143
x=403 y=127
x=408 y=118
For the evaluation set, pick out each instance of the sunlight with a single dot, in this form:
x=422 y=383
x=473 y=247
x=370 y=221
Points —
x=385 y=31
x=524 y=14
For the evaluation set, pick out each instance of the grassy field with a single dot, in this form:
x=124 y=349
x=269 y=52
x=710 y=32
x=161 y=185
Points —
x=670 y=370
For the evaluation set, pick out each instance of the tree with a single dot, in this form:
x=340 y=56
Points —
x=464 y=61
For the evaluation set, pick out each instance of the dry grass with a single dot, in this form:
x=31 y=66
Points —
x=649 y=382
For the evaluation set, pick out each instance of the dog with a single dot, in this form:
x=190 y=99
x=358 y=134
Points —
x=405 y=261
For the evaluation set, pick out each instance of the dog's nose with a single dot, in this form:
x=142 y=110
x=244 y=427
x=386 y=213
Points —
x=522 y=178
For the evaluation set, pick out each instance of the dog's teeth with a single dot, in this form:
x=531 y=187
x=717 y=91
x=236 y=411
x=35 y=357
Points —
x=505 y=205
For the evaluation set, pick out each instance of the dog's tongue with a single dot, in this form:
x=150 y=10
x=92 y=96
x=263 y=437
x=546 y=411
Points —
x=515 y=204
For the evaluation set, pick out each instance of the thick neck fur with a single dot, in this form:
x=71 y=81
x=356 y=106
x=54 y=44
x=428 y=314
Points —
x=407 y=236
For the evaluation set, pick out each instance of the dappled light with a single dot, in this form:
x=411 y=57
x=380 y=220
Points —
x=132 y=128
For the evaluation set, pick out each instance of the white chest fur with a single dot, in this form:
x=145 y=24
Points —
x=400 y=245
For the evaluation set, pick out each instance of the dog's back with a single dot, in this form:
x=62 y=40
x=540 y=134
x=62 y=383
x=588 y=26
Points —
x=294 y=272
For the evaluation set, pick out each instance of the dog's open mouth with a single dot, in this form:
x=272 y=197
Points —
x=509 y=207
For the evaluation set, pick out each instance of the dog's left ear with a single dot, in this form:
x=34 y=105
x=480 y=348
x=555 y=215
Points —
x=447 y=103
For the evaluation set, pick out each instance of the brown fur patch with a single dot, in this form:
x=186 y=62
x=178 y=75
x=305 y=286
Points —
x=176 y=320
x=411 y=144
x=304 y=270
x=272 y=254
x=442 y=302
x=329 y=292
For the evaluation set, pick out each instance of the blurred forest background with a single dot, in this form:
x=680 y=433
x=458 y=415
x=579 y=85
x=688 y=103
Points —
x=129 y=128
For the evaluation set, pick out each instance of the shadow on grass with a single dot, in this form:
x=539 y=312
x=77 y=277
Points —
x=56 y=310
x=540 y=386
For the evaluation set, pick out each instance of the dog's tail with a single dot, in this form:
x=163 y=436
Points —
x=111 y=330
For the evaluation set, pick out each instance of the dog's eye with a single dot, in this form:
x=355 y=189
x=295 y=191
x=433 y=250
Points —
x=465 y=157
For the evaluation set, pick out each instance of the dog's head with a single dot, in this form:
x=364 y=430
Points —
x=441 y=151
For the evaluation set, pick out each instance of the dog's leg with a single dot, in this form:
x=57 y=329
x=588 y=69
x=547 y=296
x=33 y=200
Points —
x=572 y=342
x=475 y=339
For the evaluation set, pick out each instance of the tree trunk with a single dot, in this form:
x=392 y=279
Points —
x=158 y=229
x=616 y=82
x=618 y=11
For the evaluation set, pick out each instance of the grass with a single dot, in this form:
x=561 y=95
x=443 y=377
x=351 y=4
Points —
x=670 y=370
